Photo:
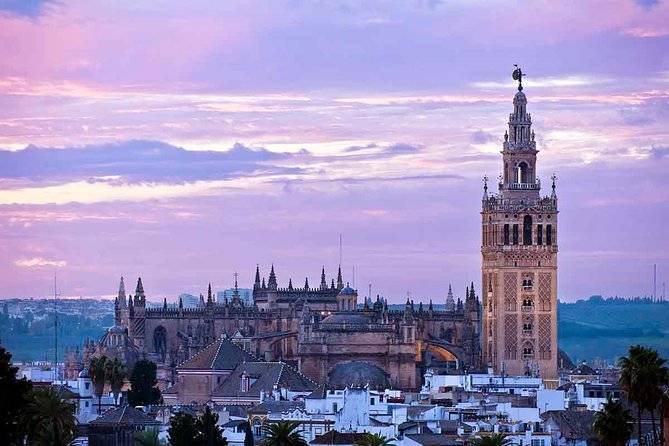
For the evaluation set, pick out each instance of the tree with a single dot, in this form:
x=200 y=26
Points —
x=14 y=394
x=97 y=370
x=147 y=438
x=374 y=440
x=283 y=433
x=116 y=375
x=613 y=424
x=642 y=376
x=143 y=390
x=49 y=419
x=209 y=434
x=182 y=430
x=492 y=440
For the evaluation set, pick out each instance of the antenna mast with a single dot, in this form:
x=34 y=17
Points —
x=654 y=282
x=340 y=253
x=55 y=327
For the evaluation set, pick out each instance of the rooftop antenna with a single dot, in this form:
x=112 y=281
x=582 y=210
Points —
x=654 y=282
x=55 y=327
x=340 y=256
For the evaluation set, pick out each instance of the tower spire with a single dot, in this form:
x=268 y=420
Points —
x=271 y=282
x=256 y=284
x=324 y=284
x=121 y=293
x=340 y=281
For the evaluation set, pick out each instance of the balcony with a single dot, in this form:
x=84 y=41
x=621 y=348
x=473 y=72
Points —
x=527 y=333
x=524 y=186
x=527 y=308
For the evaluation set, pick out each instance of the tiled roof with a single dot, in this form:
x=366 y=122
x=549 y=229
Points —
x=263 y=377
x=268 y=407
x=434 y=439
x=124 y=416
x=573 y=424
x=221 y=354
x=334 y=437
x=319 y=393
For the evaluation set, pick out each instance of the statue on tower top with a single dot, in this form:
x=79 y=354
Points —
x=518 y=76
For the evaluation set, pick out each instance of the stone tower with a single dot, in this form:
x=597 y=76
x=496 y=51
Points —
x=519 y=258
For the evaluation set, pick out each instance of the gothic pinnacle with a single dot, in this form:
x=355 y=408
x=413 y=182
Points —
x=139 y=290
x=324 y=284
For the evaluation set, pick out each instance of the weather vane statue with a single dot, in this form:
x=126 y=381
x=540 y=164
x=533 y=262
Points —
x=518 y=76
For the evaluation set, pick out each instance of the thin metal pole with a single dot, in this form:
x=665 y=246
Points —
x=55 y=327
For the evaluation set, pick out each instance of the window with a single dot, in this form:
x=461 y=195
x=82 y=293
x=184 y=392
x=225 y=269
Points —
x=515 y=234
x=88 y=385
x=522 y=173
x=246 y=383
x=257 y=429
x=537 y=442
x=527 y=284
x=527 y=230
x=506 y=234
x=540 y=235
x=334 y=407
x=528 y=351
x=372 y=401
x=549 y=235
x=527 y=304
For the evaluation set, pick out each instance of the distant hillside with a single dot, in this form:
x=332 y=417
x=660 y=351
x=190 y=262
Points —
x=605 y=328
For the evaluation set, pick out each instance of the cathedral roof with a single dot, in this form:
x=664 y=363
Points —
x=124 y=416
x=346 y=318
x=358 y=374
x=348 y=291
x=221 y=354
x=263 y=376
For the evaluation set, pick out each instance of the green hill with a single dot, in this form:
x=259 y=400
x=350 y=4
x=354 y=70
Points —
x=605 y=328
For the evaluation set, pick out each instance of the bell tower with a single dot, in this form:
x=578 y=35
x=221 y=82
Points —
x=519 y=258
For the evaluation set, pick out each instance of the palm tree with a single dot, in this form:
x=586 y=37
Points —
x=643 y=374
x=492 y=440
x=147 y=438
x=97 y=370
x=49 y=419
x=613 y=424
x=283 y=433
x=116 y=375
x=374 y=440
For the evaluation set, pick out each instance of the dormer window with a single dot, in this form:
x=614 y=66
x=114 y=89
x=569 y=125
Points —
x=245 y=383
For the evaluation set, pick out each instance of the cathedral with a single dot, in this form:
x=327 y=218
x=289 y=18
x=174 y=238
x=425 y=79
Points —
x=519 y=258
x=315 y=329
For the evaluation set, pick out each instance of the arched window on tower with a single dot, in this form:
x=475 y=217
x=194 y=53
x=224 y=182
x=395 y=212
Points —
x=549 y=235
x=521 y=172
x=527 y=230
x=515 y=234
x=506 y=234
x=528 y=351
x=540 y=235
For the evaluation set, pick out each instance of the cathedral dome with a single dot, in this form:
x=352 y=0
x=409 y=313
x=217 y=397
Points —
x=345 y=318
x=117 y=329
x=348 y=291
x=84 y=373
x=358 y=374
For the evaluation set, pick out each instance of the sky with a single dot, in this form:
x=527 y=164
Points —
x=185 y=141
